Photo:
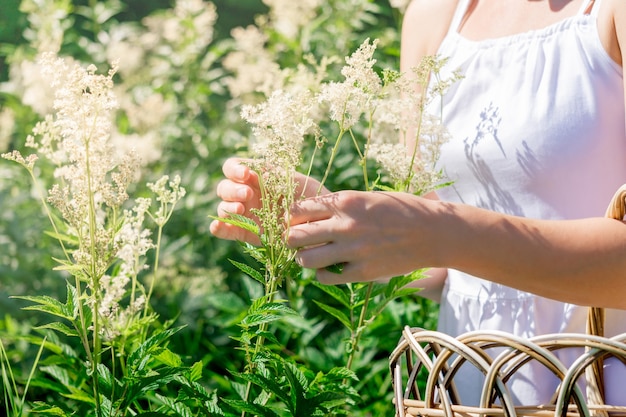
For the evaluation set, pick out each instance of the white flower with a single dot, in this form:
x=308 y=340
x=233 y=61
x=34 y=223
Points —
x=280 y=125
x=289 y=16
x=357 y=93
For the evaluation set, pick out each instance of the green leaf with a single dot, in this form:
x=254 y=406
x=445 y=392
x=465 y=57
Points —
x=334 y=291
x=252 y=408
x=59 y=327
x=276 y=308
x=81 y=396
x=339 y=315
x=46 y=304
x=335 y=268
x=168 y=358
x=65 y=265
x=403 y=292
x=138 y=358
x=252 y=320
x=105 y=378
x=195 y=372
x=71 y=240
x=268 y=384
x=299 y=385
x=247 y=269
x=240 y=221
x=48 y=410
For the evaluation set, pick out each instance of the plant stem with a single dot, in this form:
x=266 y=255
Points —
x=333 y=155
x=355 y=337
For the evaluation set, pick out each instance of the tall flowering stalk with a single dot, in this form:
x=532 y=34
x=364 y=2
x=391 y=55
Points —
x=370 y=110
x=102 y=236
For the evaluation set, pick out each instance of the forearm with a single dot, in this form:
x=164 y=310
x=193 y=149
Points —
x=578 y=261
x=431 y=286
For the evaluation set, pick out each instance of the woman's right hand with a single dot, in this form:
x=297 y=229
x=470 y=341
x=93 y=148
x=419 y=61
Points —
x=240 y=194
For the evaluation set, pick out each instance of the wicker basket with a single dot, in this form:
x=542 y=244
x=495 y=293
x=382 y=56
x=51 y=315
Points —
x=438 y=357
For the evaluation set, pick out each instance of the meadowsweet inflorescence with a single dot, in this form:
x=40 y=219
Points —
x=104 y=236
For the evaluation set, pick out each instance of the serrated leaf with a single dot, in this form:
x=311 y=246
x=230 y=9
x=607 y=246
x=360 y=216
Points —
x=341 y=373
x=65 y=265
x=71 y=240
x=240 y=221
x=250 y=271
x=252 y=320
x=59 y=327
x=80 y=396
x=45 y=304
x=249 y=407
x=403 y=292
x=195 y=372
x=137 y=358
x=339 y=315
x=276 y=308
x=48 y=410
x=168 y=358
x=267 y=384
x=334 y=291
x=105 y=377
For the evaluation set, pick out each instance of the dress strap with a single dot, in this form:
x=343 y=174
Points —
x=590 y=7
x=459 y=14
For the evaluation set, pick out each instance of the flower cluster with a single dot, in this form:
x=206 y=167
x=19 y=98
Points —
x=91 y=191
x=290 y=16
x=386 y=109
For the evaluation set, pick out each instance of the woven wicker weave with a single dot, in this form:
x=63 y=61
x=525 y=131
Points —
x=439 y=356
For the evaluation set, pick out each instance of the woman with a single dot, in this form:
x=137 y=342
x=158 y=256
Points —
x=538 y=148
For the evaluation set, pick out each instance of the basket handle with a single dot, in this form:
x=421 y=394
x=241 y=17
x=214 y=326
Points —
x=595 y=317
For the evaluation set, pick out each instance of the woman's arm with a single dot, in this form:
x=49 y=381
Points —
x=380 y=235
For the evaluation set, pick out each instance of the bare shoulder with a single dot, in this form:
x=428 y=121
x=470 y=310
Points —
x=424 y=26
x=612 y=28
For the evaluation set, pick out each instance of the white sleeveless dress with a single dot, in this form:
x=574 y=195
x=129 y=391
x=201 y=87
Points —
x=537 y=128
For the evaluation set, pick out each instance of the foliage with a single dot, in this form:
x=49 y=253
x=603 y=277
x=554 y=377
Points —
x=186 y=70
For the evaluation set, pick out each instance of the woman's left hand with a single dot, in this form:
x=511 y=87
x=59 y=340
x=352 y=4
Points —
x=372 y=235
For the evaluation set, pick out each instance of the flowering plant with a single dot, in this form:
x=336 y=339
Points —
x=368 y=109
x=104 y=242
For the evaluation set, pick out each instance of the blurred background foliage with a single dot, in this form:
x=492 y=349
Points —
x=199 y=128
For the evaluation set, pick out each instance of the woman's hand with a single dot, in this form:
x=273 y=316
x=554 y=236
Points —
x=373 y=235
x=240 y=193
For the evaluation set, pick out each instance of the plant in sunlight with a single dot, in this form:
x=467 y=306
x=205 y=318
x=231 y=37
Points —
x=123 y=361
x=368 y=109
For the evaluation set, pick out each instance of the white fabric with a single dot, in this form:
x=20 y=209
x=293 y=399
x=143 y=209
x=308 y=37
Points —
x=537 y=128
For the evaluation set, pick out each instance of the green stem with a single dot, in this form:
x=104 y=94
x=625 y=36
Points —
x=95 y=284
x=270 y=292
x=157 y=254
x=355 y=337
x=333 y=155
x=82 y=329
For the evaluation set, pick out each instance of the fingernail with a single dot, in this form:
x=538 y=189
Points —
x=240 y=172
x=242 y=193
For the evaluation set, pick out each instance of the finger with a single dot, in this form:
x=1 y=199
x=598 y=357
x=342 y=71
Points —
x=309 y=234
x=236 y=170
x=231 y=232
x=320 y=256
x=310 y=210
x=226 y=208
x=229 y=190
x=225 y=231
